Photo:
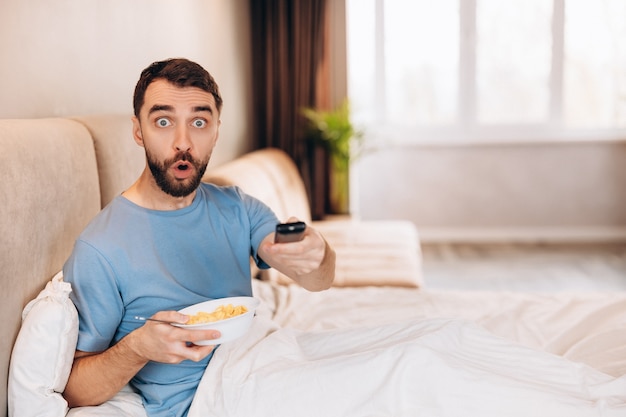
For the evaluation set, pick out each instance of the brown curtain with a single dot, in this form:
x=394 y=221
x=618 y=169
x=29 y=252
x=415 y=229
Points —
x=289 y=72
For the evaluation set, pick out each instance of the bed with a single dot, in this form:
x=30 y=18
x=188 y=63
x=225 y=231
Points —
x=376 y=351
x=400 y=352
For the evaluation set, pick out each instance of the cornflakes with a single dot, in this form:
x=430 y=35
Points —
x=220 y=313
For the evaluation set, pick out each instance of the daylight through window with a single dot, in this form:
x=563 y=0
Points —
x=487 y=69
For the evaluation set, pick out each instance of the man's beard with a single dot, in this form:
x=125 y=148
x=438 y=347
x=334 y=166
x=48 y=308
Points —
x=171 y=185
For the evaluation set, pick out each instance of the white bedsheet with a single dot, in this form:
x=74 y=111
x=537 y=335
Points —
x=403 y=353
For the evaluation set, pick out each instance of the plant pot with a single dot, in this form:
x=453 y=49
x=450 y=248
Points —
x=339 y=187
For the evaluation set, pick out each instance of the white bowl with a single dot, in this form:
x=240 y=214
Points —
x=231 y=328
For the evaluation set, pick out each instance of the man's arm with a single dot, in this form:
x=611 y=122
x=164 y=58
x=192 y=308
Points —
x=309 y=262
x=97 y=377
x=323 y=276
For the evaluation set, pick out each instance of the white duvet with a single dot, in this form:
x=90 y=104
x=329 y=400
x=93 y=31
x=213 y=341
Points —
x=375 y=351
x=417 y=366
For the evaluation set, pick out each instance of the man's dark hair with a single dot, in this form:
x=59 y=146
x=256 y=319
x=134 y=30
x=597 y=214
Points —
x=180 y=72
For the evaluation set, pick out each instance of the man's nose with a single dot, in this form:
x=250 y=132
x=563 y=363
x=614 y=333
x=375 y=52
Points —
x=182 y=142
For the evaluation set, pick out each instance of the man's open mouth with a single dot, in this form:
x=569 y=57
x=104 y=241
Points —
x=182 y=169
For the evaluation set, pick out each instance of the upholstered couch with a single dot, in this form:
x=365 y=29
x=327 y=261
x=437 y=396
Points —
x=57 y=173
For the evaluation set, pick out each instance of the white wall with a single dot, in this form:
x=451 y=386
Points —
x=528 y=192
x=77 y=57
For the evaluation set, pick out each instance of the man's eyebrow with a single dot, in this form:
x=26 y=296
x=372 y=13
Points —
x=203 y=108
x=160 y=107
x=168 y=108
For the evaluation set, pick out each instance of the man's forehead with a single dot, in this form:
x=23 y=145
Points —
x=168 y=96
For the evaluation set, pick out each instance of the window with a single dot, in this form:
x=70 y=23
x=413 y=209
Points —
x=487 y=69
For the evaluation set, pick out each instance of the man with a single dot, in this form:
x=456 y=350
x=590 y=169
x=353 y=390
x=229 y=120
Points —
x=167 y=242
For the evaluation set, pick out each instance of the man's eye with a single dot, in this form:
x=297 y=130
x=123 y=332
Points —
x=163 y=122
x=199 y=123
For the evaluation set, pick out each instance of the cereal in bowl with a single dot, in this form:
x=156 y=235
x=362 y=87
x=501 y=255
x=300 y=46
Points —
x=220 y=313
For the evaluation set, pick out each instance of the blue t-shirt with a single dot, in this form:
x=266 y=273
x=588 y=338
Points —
x=131 y=261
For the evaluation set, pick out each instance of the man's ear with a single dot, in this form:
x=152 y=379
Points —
x=137 y=133
x=217 y=134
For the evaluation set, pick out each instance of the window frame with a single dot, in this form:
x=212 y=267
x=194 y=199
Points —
x=466 y=129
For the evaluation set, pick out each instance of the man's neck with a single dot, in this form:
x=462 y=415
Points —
x=146 y=193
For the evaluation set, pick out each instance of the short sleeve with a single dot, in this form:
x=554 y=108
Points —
x=96 y=297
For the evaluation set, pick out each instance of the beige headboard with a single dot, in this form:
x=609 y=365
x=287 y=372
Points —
x=48 y=193
x=120 y=159
x=269 y=175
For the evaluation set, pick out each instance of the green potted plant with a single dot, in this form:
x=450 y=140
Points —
x=334 y=131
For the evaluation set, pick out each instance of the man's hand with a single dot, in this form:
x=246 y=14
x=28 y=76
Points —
x=162 y=342
x=310 y=261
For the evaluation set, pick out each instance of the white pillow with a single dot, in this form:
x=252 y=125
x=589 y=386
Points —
x=43 y=353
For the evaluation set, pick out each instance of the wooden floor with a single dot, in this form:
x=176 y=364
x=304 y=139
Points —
x=524 y=267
